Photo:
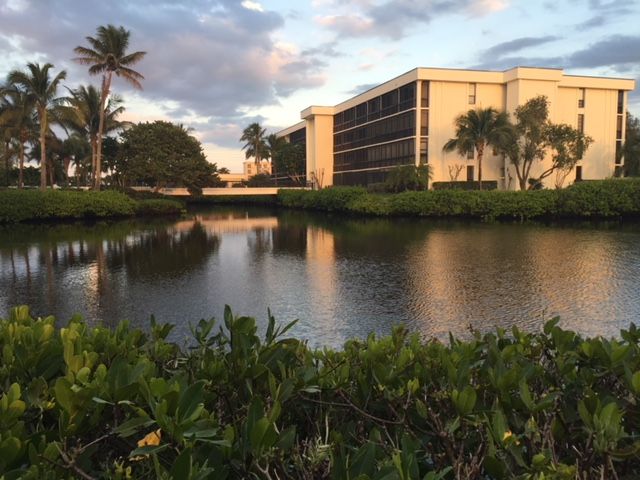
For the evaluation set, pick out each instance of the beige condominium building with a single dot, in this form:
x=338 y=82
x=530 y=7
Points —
x=408 y=119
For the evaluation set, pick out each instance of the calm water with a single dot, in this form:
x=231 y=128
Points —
x=341 y=277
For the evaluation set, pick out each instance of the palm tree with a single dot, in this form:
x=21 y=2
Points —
x=275 y=145
x=255 y=145
x=107 y=55
x=42 y=90
x=18 y=117
x=478 y=129
x=83 y=116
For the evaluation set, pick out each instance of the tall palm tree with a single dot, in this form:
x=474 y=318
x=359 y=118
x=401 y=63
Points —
x=478 y=129
x=17 y=114
x=42 y=90
x=255 y=144
x=107 y=55
x=83 y=116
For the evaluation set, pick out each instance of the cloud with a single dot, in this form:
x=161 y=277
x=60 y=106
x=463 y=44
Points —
x=362 y=88
x=205 y=58
x=517 y=45
x=620 y=53
x=394 y=18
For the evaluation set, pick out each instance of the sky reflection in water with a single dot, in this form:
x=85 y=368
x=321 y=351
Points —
x=341 y=277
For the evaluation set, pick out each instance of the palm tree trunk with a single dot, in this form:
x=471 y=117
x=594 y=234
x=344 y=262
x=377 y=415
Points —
x=43 y=151
x=106 y=84
x=51 y=171
x=21 y=167
x=480 y=149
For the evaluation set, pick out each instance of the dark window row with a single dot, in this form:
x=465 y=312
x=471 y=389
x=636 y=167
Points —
x=395 y=101
x=390 y=154
x=385 y=130
x=620 y=102
x=299 y=136
x=360 y=178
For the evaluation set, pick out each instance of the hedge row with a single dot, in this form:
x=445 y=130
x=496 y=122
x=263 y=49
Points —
x=595 y=199
x=89 y=402
x=30 y=205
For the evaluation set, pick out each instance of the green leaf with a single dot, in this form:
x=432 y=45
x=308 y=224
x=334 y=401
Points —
x=263 y=435
x=148 y=450
x=525 y=395
x=635 y=383
x=64 y=395
x=132 y=426
x=190 y=402
x=287 y=438
x=183 y=466
x=465 y=400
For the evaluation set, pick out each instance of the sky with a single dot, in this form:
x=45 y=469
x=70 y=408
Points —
x=218 y=65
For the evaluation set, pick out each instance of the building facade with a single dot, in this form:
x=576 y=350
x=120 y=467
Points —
x=407 y=121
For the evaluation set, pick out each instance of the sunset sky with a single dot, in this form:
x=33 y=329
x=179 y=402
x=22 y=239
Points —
x=219 y=65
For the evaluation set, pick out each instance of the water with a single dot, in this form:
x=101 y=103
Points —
x=341 y=277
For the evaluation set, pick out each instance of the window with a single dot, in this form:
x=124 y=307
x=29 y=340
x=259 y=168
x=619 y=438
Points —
x=618 y=152
x=581 y=98
x=620 y=101
x=424 y=123
x=424 y=101
x=470 y=155
x=581 y=122
x=423 y=151
x=472 y=94
x=408 y=96
x=617 y=172
x=579 y=173
x=469 y=173
x=619 y=127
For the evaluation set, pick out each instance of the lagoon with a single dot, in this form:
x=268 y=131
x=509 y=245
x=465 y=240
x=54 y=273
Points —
x=342 y=277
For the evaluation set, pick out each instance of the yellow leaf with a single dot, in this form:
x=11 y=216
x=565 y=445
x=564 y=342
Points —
x=152 y=438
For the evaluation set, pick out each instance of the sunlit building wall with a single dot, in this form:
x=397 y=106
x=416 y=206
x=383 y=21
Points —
x=407 y=120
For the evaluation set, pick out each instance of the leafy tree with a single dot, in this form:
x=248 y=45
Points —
x=530 y=142
x=42 y=90
x=162 y=154
x=631 y=147
x=260 y=180
x=223 y=170
x=478 y=129
x=290 y=160
x=567 y=146
x=107 y=55
x=255 y=143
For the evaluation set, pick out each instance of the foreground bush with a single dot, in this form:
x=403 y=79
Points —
x=98 y=403
x=29 y=205
x=594 y=199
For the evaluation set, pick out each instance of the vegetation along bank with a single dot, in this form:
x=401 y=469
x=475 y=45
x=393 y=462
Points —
x=39 y=205
x=90 y=402
x=589 y=199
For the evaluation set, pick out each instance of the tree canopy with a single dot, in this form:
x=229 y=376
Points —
x=163 y=154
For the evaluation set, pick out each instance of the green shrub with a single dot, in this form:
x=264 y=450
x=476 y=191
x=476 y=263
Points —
x=465 y=185
x=25 y=205
x=159 y=206
x=606 y=198
x=122 y=403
